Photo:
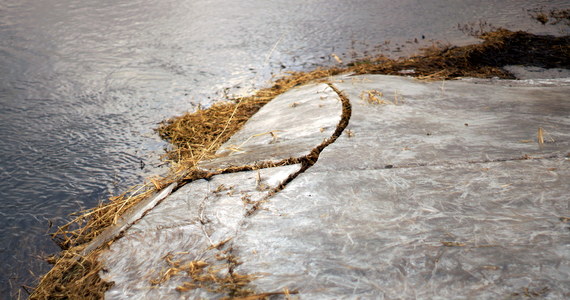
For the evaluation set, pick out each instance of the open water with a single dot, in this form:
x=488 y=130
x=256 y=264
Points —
x=84 y=83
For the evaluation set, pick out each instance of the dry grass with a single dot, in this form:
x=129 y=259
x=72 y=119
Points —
x=196 y=136
x=374 y=97
x=73 y=277
x=90 y=223
x=553 y=17
x=203 y=275
x=540 y=135
x=543 y=137
x=499 y=48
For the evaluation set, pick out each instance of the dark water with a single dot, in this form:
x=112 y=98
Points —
x=83 y=83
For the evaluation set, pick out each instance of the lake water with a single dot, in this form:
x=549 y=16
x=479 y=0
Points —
x=84 y=83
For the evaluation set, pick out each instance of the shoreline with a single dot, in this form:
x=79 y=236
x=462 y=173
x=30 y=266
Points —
x=224 y=119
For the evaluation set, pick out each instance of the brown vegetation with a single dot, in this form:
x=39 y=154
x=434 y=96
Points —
x=499 y=48
x=552 y=17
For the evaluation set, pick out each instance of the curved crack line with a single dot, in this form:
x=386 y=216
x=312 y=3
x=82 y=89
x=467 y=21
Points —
x=310 y=159
x=306 y=161
x=226 y=247
x=115 y=232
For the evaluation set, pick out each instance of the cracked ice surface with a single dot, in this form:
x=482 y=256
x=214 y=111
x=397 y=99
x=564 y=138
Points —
x=483 y=230
x=289 y=126
x=447 y=122
x=444 y=194
x=191 y=220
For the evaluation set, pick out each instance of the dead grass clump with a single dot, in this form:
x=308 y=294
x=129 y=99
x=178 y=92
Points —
x=90 y=223
x=553 y=17
x=200 y=274
x=374 y=97
x=219 y=279
x=73 y=278
x=499 y=48
x=196 y=136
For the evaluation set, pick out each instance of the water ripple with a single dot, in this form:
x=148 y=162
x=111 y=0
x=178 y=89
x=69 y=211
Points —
x=82 y=84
